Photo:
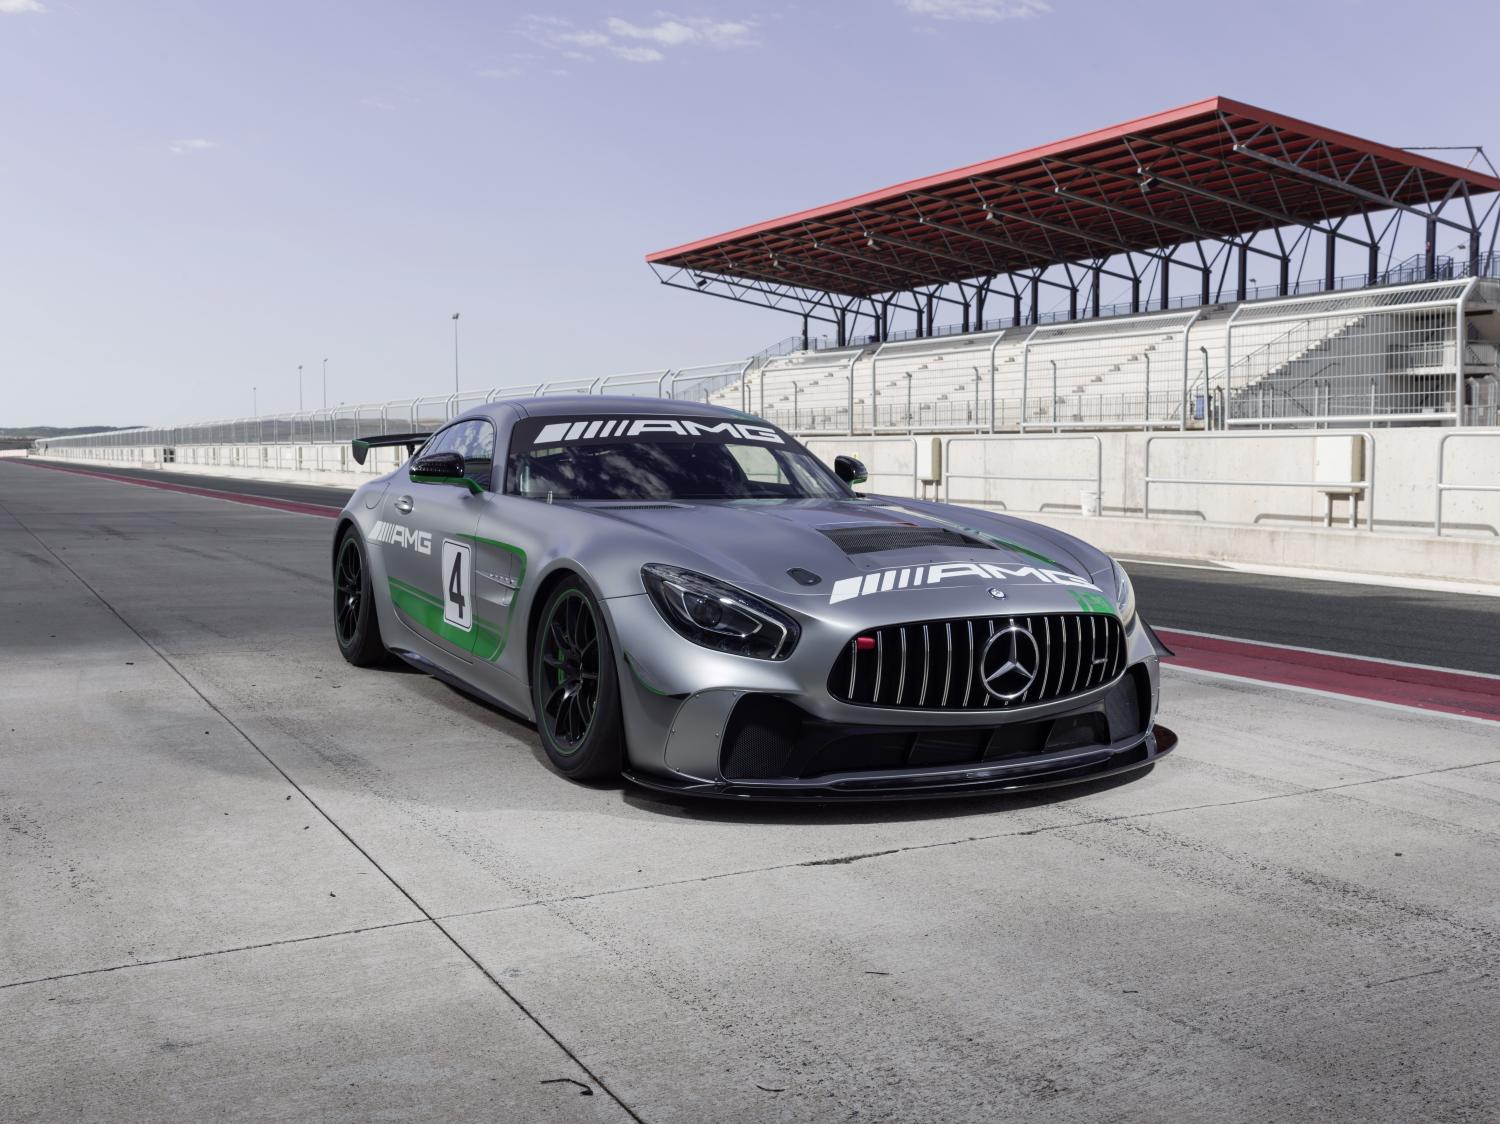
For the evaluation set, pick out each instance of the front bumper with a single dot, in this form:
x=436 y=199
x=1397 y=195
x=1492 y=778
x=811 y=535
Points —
x=1024 y=775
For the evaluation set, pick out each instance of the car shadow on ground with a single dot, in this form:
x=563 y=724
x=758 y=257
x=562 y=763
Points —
x=790 y=813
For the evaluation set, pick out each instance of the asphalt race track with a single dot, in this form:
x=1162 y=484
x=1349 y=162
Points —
x=241 y=879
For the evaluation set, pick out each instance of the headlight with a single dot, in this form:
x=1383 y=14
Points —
x=1124 y=595
x=719 y=616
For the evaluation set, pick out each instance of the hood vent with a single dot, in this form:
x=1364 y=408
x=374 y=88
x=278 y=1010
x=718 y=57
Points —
x=644 y=505
x=875 y=537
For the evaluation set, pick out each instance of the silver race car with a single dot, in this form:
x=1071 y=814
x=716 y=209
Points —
x=686 y=595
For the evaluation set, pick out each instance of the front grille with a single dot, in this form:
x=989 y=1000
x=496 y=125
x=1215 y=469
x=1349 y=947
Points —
x=941 y=665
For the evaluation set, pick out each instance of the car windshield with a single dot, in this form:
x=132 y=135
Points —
x=662 y=458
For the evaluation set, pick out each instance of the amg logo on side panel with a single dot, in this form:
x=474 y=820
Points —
x=397 y=535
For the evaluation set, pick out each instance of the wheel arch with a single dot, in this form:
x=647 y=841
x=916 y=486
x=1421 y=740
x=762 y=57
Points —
x=554 y=577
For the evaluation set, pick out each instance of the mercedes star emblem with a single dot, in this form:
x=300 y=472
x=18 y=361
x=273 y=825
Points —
x=1009 y=663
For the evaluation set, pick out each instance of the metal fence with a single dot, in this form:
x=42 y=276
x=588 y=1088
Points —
x=1400 y=354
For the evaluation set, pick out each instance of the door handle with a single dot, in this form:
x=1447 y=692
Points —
x=403 y=505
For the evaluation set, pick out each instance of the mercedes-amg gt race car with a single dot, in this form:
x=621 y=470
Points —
x=686 y=595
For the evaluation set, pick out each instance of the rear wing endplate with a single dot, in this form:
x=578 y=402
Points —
x=363 y=445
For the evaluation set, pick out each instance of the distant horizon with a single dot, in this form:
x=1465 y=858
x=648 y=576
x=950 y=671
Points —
x=204 y=197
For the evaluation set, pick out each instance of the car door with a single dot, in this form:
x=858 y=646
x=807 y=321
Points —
x=427 y=533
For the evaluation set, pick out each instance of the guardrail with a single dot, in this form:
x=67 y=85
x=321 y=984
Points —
x=1446 y=486
x=1097 y=479
x=1365 y=487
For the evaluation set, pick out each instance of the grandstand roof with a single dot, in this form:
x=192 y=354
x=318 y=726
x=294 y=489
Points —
x=1215 y=170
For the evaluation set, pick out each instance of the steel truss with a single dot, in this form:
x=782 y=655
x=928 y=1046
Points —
x=1202 y=190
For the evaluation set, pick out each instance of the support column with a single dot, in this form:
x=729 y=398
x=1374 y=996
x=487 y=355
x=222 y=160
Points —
x=1135 y=294
x=1430 y=260
x=1166 y=281
x=1284 y=282
x=1036 y=300
x=1372 y=273
x=1094 y=302
x=839 y=325
x=1242 y=277
x=1330 y=246
x=804 y=332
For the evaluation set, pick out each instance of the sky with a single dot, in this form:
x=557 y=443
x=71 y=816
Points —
x=197 y=196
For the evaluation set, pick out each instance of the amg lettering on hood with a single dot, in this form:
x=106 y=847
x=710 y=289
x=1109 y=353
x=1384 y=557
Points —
x=582 y=431
x=912 y=577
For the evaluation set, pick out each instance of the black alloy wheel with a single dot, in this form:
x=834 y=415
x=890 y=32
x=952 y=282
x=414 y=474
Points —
x=354 y=624
x=574 y=689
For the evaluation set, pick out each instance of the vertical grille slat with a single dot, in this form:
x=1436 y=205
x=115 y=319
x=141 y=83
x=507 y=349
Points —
x=948 y=663
x=1075 y=652
x=969 y=680
x=901 y=682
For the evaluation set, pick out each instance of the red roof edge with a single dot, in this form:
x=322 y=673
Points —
x=1166 y=117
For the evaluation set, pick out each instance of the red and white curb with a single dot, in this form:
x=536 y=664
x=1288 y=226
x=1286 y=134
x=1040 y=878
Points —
x=1445 y=690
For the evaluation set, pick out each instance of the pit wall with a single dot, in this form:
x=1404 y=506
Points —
x=1246 y=503
x=1254 y=497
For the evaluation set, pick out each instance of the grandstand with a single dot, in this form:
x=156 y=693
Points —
x=1204 y=189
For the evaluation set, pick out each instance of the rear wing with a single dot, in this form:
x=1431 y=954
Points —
x=363 y=445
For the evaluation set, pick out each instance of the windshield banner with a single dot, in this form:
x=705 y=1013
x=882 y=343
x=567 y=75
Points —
x=551 y=432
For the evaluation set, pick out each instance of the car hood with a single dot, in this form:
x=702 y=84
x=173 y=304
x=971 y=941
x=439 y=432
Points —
x=761 y=544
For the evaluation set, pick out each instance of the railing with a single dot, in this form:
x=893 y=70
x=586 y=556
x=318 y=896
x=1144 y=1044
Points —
x=1444 y=486
x=1365 y=487
x=949 y=475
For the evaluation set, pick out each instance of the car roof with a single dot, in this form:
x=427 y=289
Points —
x=599 y=404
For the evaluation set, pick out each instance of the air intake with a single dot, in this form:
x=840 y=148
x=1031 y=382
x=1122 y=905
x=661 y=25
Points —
x=873 y=538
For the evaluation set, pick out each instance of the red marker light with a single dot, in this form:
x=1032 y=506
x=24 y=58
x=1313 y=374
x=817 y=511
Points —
x=864 y=643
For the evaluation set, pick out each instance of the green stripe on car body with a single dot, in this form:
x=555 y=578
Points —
x=520 y=554
x=426 y=611
x=1092 y=602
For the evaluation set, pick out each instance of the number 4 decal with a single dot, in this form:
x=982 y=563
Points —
x=458 y=582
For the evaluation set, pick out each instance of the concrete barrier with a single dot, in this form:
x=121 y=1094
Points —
x=1253 y=498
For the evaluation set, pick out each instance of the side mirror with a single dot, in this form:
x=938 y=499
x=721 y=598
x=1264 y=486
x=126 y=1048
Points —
x=442 y=468
x=851 y=470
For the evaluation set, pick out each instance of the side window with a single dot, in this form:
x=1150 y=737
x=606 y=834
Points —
x=474 y=440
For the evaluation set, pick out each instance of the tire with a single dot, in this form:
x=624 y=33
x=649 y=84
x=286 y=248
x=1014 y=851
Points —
x=355 y=625
x=575 y=689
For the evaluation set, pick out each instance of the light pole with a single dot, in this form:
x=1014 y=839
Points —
x=908 y=401
x=325 y=384
x=299 y=388
x=455 y=353
x=796 y=392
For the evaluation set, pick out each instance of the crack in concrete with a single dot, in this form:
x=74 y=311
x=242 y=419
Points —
x=211 y=952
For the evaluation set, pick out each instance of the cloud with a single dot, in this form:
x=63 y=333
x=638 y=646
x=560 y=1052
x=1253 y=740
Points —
x=19 y=7
x=977 y=11
x=192 y=144
x=637 y=42
x=500 y=72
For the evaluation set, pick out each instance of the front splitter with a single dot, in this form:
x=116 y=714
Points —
x=1026 y=775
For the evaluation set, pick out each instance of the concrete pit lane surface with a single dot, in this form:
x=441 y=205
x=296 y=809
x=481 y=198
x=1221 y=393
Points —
x=240 y=879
